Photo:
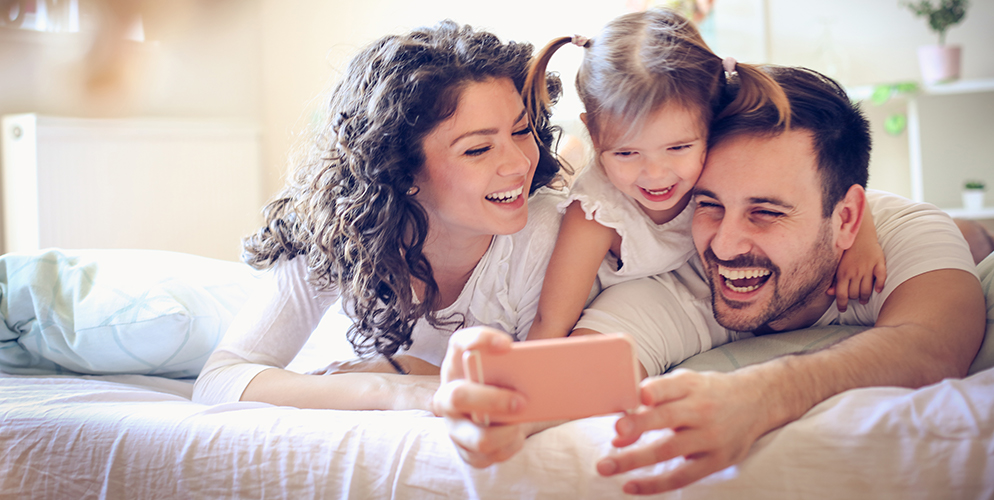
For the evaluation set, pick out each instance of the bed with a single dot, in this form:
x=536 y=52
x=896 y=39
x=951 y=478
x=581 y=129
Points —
x=100 y=348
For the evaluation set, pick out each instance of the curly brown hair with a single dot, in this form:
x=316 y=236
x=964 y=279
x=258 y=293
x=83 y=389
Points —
x=347 y=208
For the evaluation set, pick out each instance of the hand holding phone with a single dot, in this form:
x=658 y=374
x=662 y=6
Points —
x=564 y=378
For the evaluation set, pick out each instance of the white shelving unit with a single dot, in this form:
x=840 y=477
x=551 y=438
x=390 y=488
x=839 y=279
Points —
x=914 y=126
x=914 y=131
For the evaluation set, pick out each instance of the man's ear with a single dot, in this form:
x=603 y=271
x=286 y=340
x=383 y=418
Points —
x=849 y=213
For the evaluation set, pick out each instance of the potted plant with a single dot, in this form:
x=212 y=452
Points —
x=973 y=195
x=939 y=63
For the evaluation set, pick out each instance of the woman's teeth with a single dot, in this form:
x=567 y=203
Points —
x=506 y=196
x=743 y=280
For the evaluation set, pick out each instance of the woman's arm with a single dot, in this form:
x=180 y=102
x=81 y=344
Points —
x=458 y=399
x=343 y=391
x=268 y=333
x=579 y=251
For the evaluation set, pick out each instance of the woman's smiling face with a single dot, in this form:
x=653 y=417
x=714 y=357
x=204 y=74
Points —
x=479 y=164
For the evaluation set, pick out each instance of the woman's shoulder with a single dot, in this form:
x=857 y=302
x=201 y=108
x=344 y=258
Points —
x=536 y=240
x=544 y=216
x=542 y=205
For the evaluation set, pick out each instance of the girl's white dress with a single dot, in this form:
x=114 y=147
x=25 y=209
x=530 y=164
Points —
x=647 y=248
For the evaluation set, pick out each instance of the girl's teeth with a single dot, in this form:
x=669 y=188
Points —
x=659 y=192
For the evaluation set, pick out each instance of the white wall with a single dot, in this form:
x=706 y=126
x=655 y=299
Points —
x=202 y=63
x=306 y=42
x=267 y=61
x=872 y=41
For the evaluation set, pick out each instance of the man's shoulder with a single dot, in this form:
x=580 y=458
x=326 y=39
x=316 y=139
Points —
x=916 y=238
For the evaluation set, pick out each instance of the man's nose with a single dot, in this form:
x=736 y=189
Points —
x=732 y=239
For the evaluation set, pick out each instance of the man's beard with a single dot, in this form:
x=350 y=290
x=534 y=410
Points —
x=792 y=292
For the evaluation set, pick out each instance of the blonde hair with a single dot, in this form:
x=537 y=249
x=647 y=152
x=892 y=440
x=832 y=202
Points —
x=643 y=60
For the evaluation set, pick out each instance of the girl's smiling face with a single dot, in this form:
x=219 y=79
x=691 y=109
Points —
x=658 y=166
x=479 y=164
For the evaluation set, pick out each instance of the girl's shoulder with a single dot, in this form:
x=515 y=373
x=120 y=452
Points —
x=601 y=200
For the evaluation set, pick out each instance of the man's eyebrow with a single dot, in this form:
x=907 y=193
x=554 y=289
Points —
x=765 y=200
x=755 y=200
x=704 y=192
x=485 y=131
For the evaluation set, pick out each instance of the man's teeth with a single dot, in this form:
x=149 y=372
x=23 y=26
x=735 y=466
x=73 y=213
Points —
x=731 y=275
x=506 y=196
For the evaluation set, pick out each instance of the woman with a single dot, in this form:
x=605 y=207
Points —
x=413 y=207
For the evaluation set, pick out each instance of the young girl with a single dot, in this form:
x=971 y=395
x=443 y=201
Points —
x=651 y=87
x=414 y=207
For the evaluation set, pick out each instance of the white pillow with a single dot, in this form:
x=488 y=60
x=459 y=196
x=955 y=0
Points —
x=116 y=311
x=735 y=355
x=985 y=358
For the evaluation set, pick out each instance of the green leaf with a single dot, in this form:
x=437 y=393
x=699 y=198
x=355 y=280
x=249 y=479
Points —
x=881 y=93
x=895 y=124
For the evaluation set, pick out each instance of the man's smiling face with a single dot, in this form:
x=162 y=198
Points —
x=768 y=252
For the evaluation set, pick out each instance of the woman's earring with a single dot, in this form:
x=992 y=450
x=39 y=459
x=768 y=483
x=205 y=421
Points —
x=413 y=191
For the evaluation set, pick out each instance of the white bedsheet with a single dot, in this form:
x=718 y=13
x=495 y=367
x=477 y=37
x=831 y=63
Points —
x=141 y=437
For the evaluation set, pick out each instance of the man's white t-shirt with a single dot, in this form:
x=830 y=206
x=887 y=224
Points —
x=670 y=315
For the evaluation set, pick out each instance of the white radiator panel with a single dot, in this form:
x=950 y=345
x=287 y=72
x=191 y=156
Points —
x=187 y=186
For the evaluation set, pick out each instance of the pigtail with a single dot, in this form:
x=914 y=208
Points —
x=755 y=90
x=536 y=90
x=538 y=103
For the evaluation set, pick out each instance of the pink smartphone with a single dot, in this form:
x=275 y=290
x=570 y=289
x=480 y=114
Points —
x=565 y=378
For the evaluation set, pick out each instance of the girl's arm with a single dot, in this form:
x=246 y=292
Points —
x=580 y=248
x=862 y=268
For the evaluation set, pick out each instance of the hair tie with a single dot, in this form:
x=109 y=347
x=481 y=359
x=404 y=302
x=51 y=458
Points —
x=580 y=41
x=729 y=64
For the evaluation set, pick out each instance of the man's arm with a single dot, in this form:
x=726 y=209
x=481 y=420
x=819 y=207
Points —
x=929 y=328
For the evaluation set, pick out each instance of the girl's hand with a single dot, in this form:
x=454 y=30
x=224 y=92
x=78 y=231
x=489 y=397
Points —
x=862 y=269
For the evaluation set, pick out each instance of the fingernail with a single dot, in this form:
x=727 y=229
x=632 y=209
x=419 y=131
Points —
x=606 y=467
x=624 y=427
x=515 y=404
x=631 y=488
x=498 y=340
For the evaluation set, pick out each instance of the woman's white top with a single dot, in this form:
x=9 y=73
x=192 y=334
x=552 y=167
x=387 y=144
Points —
x=647 y=248
x=502 y=293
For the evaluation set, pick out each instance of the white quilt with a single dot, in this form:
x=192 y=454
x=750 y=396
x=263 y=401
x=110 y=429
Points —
x=129 y=436
x=139 y=436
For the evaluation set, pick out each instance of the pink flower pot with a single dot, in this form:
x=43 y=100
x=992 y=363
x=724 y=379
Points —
x=939 y=63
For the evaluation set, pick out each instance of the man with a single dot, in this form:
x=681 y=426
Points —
x=775 y=210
